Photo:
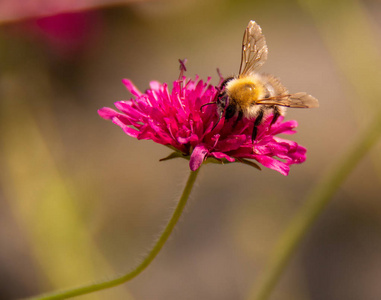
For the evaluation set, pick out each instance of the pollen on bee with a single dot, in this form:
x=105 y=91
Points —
x=244 y=91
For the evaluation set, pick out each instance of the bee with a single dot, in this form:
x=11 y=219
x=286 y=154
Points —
x=253 y=95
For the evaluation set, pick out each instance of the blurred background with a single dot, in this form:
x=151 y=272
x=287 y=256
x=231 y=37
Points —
x=81 y=201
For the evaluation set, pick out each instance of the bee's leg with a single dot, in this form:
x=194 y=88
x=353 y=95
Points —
x=276 y=115
x=230 y=111
x=258 y=121
x=239 y=118
x=219 y=119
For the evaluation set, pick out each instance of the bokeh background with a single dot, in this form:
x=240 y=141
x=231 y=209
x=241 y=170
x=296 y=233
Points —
x=80 y=201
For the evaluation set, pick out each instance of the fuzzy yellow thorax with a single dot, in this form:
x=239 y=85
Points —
x=244 y=91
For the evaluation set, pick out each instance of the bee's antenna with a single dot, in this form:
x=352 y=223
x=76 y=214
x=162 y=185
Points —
x=209 y=103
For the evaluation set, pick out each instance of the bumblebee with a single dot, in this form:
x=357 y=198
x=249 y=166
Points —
x=253 y=95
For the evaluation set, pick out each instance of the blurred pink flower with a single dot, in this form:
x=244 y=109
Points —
x=176 y=119
x=66 y=34
x=16 y=10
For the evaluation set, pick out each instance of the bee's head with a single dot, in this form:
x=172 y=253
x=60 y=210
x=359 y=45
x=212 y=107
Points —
x=225 y=106
x=222 y=98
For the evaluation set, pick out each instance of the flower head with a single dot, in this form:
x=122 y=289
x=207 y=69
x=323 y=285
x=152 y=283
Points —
x=177 y=119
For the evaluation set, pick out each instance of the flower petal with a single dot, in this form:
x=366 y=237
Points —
x=221 y=155
x=284 y=128
x=197 y=157
x=273 y=163
x=131 y=88
x=107 y=113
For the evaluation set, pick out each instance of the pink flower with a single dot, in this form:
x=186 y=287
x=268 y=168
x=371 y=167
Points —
x=66 y=35
x=175 y=119
x=70 y=33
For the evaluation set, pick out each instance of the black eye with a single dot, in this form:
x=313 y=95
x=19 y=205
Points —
x=230 y=112
x=222 y=99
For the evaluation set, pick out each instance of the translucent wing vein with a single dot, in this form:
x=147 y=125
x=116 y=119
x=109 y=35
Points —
x=254 y=49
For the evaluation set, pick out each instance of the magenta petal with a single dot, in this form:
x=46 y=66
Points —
x=190 y=139
x=127 y=107
x=231 y=143
x=130 y=131
x=107 y=113
x=274 y=164
x=131 y=87
x=154 y=85
x=284 y=128
x=220 y=155
x=291 y=144
x=299 y=156
x=197 y=157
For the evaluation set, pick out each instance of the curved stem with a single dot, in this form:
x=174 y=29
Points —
x=86 y=289
x=314 y=206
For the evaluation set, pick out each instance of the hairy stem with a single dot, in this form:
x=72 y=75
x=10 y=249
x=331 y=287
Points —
x=86 y=289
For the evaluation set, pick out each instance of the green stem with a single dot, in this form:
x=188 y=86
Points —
x=144 y=264
x=314 y=206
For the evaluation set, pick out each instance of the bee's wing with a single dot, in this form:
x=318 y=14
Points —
x=297 y=100
x=254 y=49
